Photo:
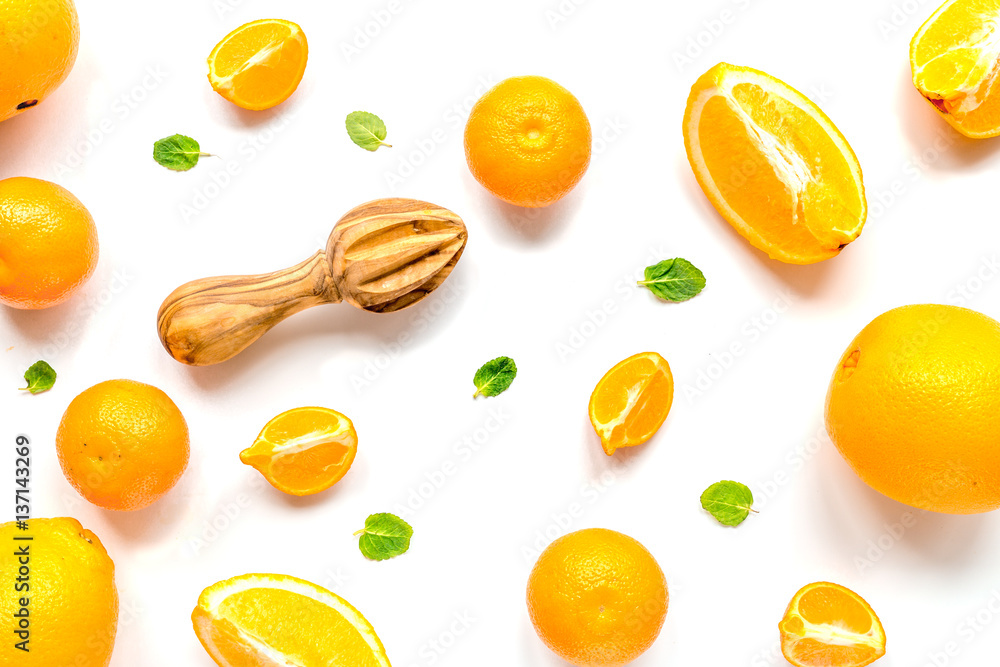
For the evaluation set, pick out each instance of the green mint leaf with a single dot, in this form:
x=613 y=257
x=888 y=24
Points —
x=384 y=536
x=40 y=377
x=366 y=130
x=674 y=280
x=729 y=502
x=178 y=152
x=494 y=377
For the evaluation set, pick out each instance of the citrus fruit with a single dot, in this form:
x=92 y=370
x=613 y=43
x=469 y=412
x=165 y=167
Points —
x=38 y=47
x=773 y=165
x=48 y=243
x=304 y=451
x=528 y=141
x=260 y=64
x=632 y=401
x=954 y=61
x=122 y=444
x=597 y=598
x=914 y=407
x=70 y=588
x=827 y=625
x=274 y=620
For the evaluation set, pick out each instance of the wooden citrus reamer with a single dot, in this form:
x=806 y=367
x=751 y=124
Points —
x=381 y=256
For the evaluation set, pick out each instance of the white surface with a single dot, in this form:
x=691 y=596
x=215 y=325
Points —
x=525 y=285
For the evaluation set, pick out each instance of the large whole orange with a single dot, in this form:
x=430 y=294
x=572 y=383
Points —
x=597 y=598
x=122 y=444
x=48 y=243
x=528 y=141
x=39 y=40
x=914 y=407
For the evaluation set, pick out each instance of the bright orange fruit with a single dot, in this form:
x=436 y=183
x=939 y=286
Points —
x=123 y=444
x=827 y=625
x=304 y=451
x=632 y=401
x=260 y=64
x=773 y=165
x=48 y=243
x=597 y=598
x=528 y=141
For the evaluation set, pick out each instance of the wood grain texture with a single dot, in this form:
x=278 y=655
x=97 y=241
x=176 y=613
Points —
x=382 y=256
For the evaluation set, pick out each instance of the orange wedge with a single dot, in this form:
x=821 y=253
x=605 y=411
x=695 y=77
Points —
x=631 y=401
x=259 y=65
x=827 y=625
x=273 y=620
x=304 y=451
x=773 y=165
x=955 y=62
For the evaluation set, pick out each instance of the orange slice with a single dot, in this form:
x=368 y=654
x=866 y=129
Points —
x=304 y=451
x=631 y=401
x=260 y=64
x=827 y=625
x=273 y=620
x=773 y=165
x=955 y=62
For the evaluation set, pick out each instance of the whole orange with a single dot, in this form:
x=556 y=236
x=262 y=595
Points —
x=122 y=444
x=48 y=243
x=914 y=407
x=597 y=598
x=38 y=46
x=528 y=141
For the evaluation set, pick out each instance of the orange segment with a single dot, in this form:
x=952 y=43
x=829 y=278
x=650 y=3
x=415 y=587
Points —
x=773 y=165
x=631 y=401
x=259 y=65
x=955 y=60
x=827 y=625
x=304 y=451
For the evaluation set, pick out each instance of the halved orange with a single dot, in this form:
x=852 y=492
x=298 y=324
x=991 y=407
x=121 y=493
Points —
x=827 y=625
x=631 y=401
x=304 y=451
x=773 y=165
x=275 y=620
x=260 y=64
x=955 y=62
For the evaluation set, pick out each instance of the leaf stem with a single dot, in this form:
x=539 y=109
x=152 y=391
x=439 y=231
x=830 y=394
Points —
x=360 y=532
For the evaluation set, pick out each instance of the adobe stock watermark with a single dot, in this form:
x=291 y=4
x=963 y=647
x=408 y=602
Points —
x=902 y=14
x=433 y=650
x=595 y=318
x=122 y=108
x=218 y=178
x=463 y=451
x=910 y=172
x=88 y=306
x=223 y=517
x=793 y=463
x=966 y=632
x=375 y=25
x=708 y=33
x=750 y=333
x=563 y=11
x=452 y=122
x=223 y=8
x=969 y=289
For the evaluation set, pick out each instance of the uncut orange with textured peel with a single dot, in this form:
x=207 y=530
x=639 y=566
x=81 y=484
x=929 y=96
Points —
x=274 y=620
x=955 y=60
x=773 y=165
x=827 y=625
x=632 y=401
x=260 y=64
x=304 y=451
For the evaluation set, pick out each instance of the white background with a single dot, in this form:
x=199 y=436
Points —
x=526 y=287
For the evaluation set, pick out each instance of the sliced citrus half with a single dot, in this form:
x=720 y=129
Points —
x=304 y=451
x=274 y=620
x=773 y=165
x=955 y=62
x=260 y=64
x=827 y=625
x=631 y=401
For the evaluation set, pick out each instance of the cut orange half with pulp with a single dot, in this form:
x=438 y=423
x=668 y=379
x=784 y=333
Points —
x=631 y=401
x=773 y=165
x=827 y=625
x=304 y=451
x=955 y=62
x=274 y=620
x=259 y=65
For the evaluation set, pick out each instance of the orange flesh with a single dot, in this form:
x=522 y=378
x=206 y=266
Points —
x=827 y=625
x=259 y=65
x=631 y=401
